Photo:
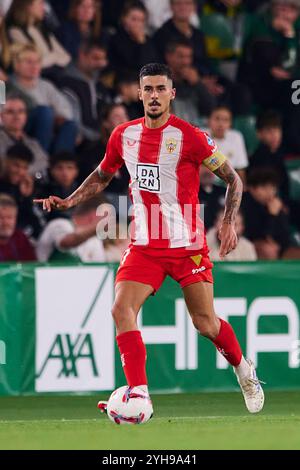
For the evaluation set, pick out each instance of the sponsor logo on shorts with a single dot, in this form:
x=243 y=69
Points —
x=199 y=270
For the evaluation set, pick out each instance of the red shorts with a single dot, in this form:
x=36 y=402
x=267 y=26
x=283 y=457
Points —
x=152 y=265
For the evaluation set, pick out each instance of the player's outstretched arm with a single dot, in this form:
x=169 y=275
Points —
x=227 y=234
x=94 y=184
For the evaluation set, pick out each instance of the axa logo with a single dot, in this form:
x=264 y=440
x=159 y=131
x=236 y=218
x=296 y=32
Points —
x=69 y=352
x=73 y=352
x=2 y=353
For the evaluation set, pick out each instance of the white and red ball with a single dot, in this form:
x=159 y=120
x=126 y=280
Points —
x=129 y=405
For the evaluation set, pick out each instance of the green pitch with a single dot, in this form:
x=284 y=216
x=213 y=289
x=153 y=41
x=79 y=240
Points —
x=190 y=421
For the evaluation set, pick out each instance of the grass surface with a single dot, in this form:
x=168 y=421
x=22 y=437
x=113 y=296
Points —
x=186 y=421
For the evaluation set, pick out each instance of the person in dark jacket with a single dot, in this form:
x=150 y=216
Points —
x=131 y=48
x=266 y=220
x=17 y=181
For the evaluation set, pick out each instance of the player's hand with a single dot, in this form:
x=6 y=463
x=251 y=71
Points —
x=53 y=202
x=228 y=238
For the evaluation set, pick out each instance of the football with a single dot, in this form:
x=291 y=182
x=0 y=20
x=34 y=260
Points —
x=129 y=405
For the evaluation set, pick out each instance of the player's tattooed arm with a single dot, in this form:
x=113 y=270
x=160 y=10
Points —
x=227 y=234
x=94 y=184
x=234 y=190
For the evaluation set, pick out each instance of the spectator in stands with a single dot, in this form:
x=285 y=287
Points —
x=83 y=24
x=26 y=25
x=211 y=196
x=245 y=250
x=158 y=13
x=14 y=244
x=179 y=28
x=130 y=47
x=193 y=98
x=271 y=152
x=85 y=92
x=266 y=221
x=92 y=155
x=62 y=180
x=50 y=114
x=16 y=181
x=128 y=94
x=229 y=141
x=272 y=54
x=5 y=53
x=63 y=239
x=13 y=117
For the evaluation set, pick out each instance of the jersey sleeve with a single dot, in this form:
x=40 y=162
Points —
x=113 y=159
x=205 y=150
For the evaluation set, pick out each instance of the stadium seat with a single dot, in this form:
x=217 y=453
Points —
x=246 y=125
x=294 y=177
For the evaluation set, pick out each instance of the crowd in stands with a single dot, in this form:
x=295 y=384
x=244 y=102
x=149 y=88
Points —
x=71 y=74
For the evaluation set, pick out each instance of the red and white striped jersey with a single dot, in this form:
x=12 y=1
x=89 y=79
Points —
x=164 y=166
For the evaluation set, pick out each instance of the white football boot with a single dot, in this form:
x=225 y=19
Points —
x=252 y=390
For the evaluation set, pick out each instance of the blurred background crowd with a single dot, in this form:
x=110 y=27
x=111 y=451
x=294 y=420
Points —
x=71 y=74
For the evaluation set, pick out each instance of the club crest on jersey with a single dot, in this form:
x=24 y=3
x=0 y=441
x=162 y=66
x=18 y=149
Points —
x=171 y=145
x=148 y=177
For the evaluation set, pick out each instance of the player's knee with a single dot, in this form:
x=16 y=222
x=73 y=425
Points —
x=122 y=314
x=206 y=325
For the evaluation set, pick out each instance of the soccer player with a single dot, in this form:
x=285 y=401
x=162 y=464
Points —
x=163 y=155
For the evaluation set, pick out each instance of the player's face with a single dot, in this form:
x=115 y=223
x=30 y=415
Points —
x=156 y=92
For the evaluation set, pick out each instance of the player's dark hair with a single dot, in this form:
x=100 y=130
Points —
x=261 y=177
x=63 y=156
x=154 y=69
x=20 y=152
x=268 y=119
x=172 y=46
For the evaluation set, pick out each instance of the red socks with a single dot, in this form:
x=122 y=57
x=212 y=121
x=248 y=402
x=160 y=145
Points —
x=133 y=357
x=228 y=345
